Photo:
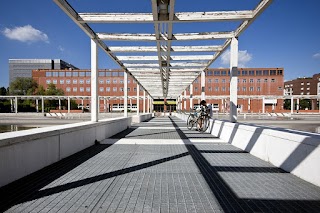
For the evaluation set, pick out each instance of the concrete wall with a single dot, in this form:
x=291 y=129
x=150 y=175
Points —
x=140 y=118
x=296 y=152
x=24 y=152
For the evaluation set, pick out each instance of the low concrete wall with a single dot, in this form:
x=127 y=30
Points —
x=140 y=118
x=293 y=151
x=24 y=152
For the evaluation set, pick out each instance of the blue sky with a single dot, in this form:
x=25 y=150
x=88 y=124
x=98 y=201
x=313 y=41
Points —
x=286 y=35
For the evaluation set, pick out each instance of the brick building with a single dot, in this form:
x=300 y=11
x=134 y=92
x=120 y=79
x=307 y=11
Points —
x=253 y=85
x=304 y=86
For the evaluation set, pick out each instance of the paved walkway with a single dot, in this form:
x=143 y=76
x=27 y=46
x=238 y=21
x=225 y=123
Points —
x=160 y=166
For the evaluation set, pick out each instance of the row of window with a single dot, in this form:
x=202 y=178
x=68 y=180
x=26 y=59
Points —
x=101 y=89
x=228 y=88
x=81 y=74
x=239 y=80
x=81 y=81
x=245 y=72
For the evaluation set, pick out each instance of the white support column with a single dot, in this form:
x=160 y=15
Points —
x=292 y=105
x=104 y=105
x=263 y=106
x=94 y=81
x=203 y=85
x=16 y=104
x=144 y=101
x=138 y=97
x=298 y=104
x=82 y=105
x=185 y=100
x=191 y=98
x=233 y=79
x=59 y=104
x=11 y=102
x=125 y=94
x=37 y=105
x=249 y=102
x=68 y=104
x=42 y=104
x=148 y=104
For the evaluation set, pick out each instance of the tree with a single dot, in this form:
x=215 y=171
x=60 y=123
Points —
x=3 y=91
x=23 y=86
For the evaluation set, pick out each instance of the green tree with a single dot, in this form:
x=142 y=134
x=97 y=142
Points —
x=23 y=86
x=52 y=90
x=3 y=91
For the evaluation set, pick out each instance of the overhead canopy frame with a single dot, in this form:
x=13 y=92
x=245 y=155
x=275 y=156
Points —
x=174 y=67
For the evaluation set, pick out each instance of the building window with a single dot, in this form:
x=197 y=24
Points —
x=61 y=81
x=101 y=89
x=121 y=81
x=61 y=74
x=273 y=80
x=273 y=72
x=259 y=72
x=265 y=72
x=216 y=73
x=308 y=83
x=223 y=88
x=244 y=88
x=68 y=81
x=88 y=89
x=81 y=81
x=308 y=93
x=279 y=88
x=75 y=74
x=48 y=74
x=251 y=89
x=114 y=81
x=301 y=93
x=301 y=88
x=68 y=89
x=55 y=81
x=251 y=80
x=238 y=80
x=210 y=88
x=258 y=89
x=196 y=89
x=265 y=80
x=48 y=81
x=223 y=73
x=115 y=74
x=55 y=74
x=114 y=89
x=135 y=89
x=216 y=89
x=129 y=81
x=68 y=74
x=308 y=88
x=108 y=81
x=81 y=89
x=102 y=74
x=279 y=72
x=244 y=80
x=223 y=80
x=121 y=73
x=88 y=74
x=216 y=80
x=74 y=81
x=209 y=80
x=209 y=73
x=196 y=81
x=82 y=74
x=101 y=81
x=74 y=89
x=302 y=83
x=128 y=89
x=244 y=72
x=88 y=81
x=121 y=89
x=251 y=72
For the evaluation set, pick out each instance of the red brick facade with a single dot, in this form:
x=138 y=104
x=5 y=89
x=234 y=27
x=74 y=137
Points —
x=251 y=82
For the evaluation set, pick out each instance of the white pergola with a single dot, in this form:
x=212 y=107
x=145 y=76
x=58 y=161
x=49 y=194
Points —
x=167 y=68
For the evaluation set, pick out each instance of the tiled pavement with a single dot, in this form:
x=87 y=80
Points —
x=160 y=166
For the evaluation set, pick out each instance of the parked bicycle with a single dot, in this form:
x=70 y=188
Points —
x=200 y=120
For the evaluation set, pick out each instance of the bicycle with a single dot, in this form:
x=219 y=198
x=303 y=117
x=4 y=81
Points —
x=203 y=121
x=192 y=120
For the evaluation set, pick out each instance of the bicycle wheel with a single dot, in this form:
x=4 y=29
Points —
x=190 y=122
x=203 y=122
